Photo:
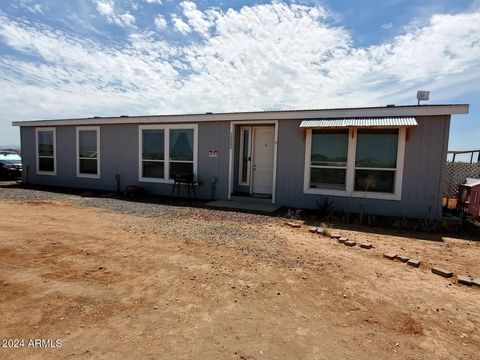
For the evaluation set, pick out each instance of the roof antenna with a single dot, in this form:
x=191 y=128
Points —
x=422 y=95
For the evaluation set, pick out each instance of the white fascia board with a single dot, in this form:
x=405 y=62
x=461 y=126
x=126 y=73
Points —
x=422 y=110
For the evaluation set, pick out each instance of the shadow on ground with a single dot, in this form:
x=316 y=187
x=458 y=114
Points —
x=384 y=226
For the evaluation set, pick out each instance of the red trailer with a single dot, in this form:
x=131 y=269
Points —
x=468 y=197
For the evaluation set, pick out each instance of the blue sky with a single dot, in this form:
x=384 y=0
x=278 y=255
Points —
x=83 y=58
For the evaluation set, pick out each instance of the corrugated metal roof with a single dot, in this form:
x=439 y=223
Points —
x=360 y=122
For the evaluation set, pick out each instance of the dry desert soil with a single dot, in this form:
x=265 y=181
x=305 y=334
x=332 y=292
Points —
x=193 y=283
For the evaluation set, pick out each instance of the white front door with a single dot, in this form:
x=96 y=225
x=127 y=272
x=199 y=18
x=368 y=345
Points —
x=262 y=159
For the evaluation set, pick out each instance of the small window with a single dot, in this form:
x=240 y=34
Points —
x=328 y=161
x=245 y=155
x=376 y=160
x=88 y=152
x=181 y=152
x=46 y=152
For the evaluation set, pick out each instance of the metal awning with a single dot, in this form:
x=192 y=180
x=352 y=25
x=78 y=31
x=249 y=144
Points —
x=384 y=122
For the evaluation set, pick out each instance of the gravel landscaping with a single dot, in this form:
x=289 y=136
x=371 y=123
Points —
x=178 y=217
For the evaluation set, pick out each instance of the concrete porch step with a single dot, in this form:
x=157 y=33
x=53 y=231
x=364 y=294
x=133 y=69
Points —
x=245 y=205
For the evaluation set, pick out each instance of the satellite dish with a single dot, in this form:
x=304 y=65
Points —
x=423 y=95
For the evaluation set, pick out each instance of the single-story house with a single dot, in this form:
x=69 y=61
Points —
x=468 y=198
x=376 y=160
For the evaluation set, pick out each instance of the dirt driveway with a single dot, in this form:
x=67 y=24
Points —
x=205 y=284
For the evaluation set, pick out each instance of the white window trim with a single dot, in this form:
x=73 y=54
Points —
x=350 y=177
x=88 y=128
x=240 y=155
x=43 y=129
x=166 y=160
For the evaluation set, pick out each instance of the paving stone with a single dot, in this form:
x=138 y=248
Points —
x=403 y=258
x=293 y=224
x=390 y=256
x=442 y=272
x=312 y=229
x=366 y=245
x=464 y=280
x=335 y=235
x=476 y=281
x=414 y=262
x=342 y=239
x=350 y=243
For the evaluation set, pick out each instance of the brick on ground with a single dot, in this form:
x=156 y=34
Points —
x=476 y=281
x=414 y=262
x=293 y=224
x=312 y=229
x=464 y=280
x=390 y=255
x=342 y=239
x=320 y=231
x=350 y=243
x=403 y=258
x=335 y=235
x=366 y=245
x=442 y=272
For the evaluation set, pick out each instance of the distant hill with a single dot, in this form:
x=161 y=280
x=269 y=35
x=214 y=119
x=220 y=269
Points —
x=10 y=147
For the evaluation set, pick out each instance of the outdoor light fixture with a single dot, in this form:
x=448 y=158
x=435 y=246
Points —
x=422 y=95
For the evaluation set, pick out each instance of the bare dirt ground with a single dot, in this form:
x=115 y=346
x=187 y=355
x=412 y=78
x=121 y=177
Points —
x=207 y=284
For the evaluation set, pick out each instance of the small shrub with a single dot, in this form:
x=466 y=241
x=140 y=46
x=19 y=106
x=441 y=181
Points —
x=324 y=207
x=294 y=214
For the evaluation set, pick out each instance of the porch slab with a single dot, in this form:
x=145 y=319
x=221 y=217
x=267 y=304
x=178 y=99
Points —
x=245 y=205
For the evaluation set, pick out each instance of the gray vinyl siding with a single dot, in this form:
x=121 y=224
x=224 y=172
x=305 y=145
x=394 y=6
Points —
x=425 y=155
x=119 y=155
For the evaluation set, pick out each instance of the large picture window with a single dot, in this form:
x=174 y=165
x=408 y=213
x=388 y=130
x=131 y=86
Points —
x=167 y=151
x=46 y=151
x=376 y=160
x=328 y=161
x=88 y=152
x=355 y=162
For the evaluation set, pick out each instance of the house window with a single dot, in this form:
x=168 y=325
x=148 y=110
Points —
x=46 y=151
x=355 y=162
x=376 y=160
x=166 y=151
x=245 y=155
x=328 y=160
x=181 y=152
x=88 y=152
x=153 y=154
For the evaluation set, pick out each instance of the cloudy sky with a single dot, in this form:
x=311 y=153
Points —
x=83 y=58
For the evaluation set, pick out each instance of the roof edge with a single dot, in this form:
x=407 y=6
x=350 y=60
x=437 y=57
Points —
x=384 y=111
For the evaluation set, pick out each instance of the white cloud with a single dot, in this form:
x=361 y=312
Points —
x=387 y=26
x=106 y=8
x=154 y=2
x=160 y=22
x=127 y=19
x=270 y=56
x=197 y=19
x=180 y=25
